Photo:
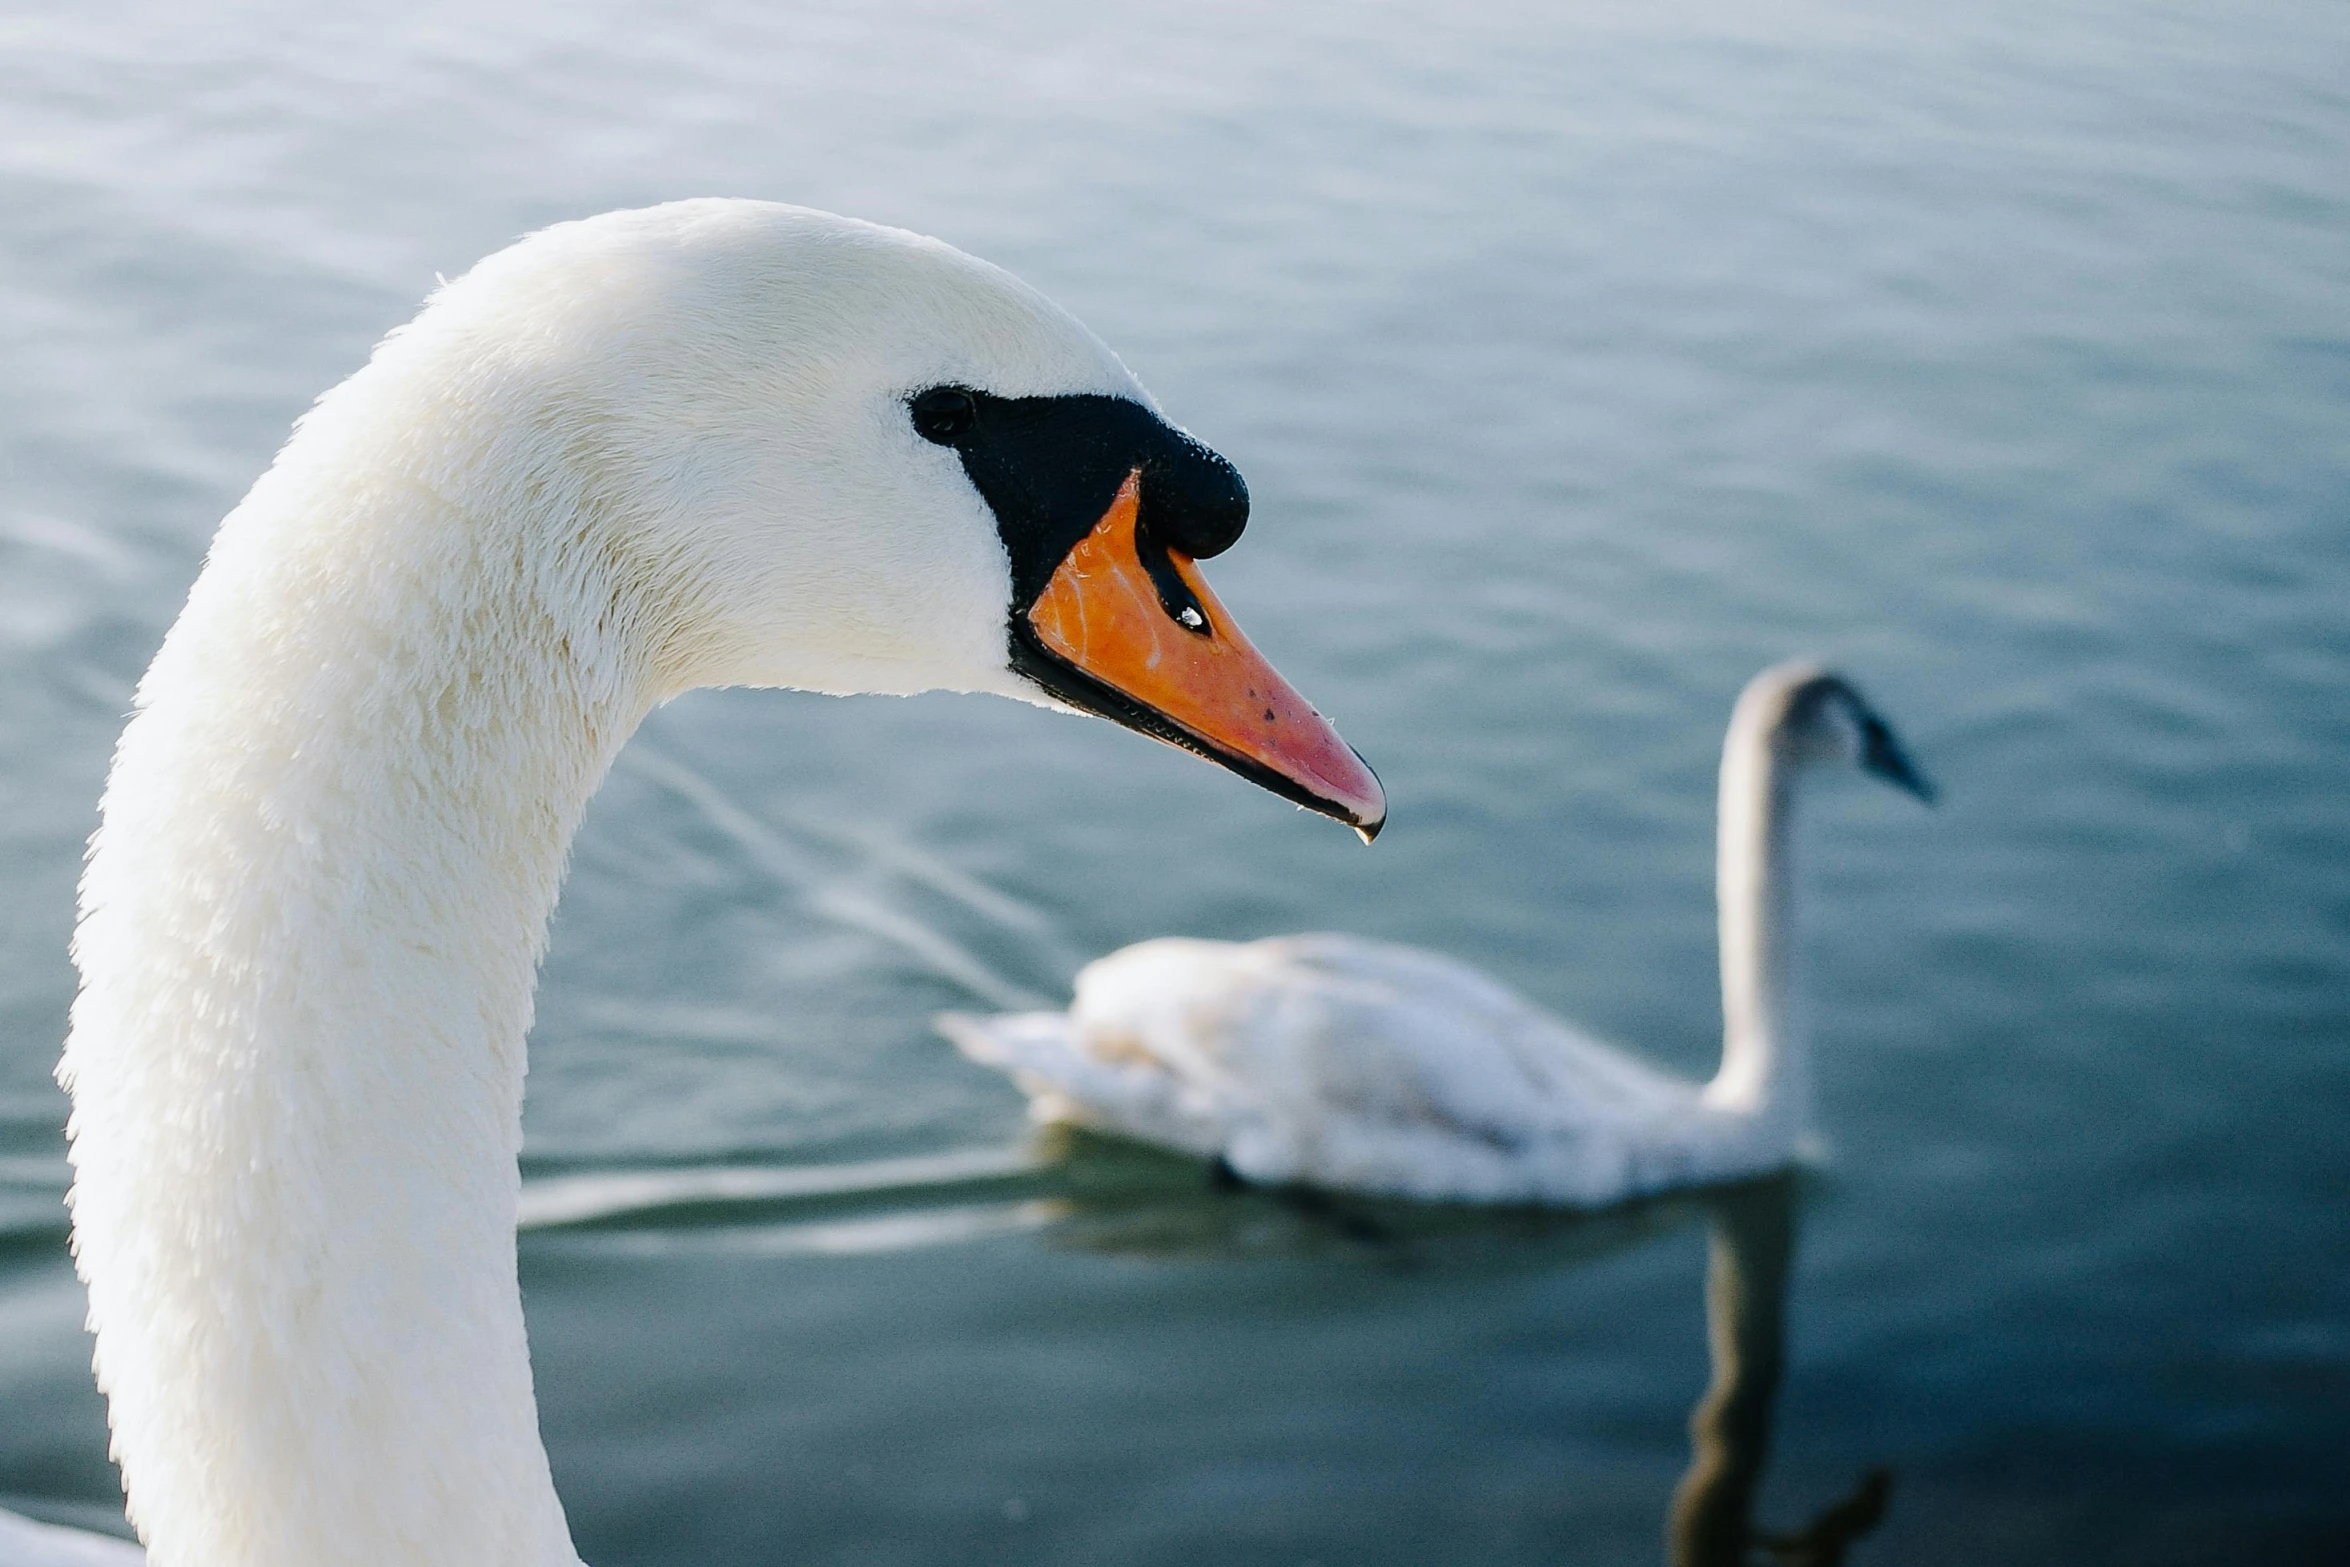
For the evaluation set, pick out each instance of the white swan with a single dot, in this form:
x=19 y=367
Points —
x=716 y=442
x=1340 y=1062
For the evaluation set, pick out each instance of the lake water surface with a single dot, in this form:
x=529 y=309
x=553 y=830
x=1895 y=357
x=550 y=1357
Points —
x=1581 y=359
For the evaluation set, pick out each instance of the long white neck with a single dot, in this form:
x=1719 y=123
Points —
x=311 y=921
x=1765 y=1071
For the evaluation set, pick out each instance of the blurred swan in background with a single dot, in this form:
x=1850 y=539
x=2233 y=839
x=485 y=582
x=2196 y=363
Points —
x=1335 y=1061
x=717 y=442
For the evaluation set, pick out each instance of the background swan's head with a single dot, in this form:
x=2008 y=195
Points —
x=1812 y=715
x=806 y=451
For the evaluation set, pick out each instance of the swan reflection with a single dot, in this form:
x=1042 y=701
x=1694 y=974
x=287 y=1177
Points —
x=1075 y=1190
x=1751 y=1253
x=1712 y=1520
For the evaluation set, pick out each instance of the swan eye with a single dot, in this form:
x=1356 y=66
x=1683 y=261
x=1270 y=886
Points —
x=944 y=413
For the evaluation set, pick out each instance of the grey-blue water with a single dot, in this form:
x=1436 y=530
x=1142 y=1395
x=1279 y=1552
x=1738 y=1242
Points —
x=1581 y=359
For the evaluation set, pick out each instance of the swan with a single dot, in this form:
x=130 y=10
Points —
x=1330 y=1060
x=713 y=442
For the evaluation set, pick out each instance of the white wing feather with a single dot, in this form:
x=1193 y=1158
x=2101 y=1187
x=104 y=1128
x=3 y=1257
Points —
x=1350 y=1063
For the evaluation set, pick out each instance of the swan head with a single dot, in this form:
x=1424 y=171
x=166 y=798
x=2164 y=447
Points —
x=1814 y=715
x=825 y=454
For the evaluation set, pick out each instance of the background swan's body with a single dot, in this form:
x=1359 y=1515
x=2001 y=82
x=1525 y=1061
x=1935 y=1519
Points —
x=1342 y=1062
x=1356 y=1064
x=628 y=456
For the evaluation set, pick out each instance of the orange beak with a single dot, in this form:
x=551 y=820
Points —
x=1139 y=623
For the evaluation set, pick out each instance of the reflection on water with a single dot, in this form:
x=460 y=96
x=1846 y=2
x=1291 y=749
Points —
x=1712 y=1522
x=1102 y=1194
x=1089 y=1193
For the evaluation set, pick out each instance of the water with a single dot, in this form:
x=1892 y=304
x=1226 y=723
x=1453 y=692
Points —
x=1580 y=364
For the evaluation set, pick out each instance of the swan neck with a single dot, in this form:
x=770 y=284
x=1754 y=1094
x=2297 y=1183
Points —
x=1763 y=1069
x=312 y=918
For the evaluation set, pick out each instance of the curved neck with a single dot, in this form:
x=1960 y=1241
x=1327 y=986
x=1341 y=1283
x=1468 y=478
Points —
x=1763 y=1071
x=311 y=921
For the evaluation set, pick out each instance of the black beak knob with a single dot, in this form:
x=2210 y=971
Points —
x=1193 y=501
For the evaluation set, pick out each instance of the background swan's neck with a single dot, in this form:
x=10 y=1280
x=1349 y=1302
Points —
x=1765 y=1070
x=311 y=923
